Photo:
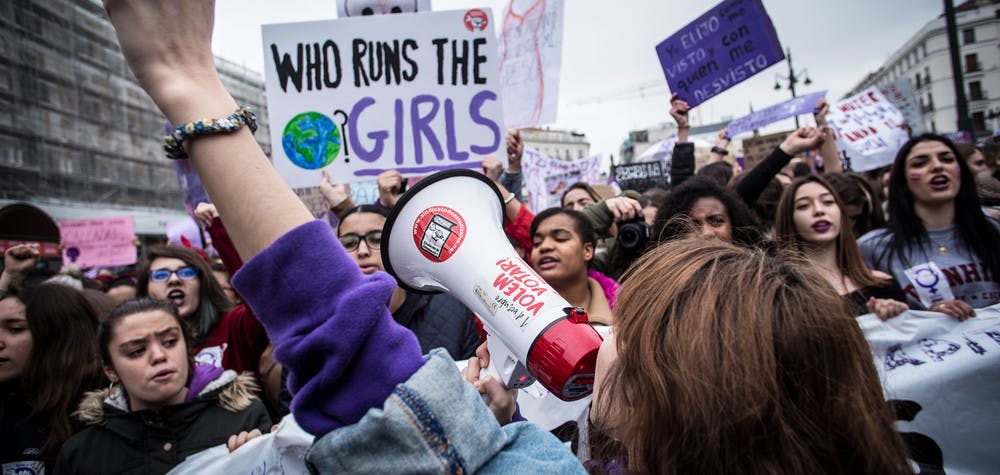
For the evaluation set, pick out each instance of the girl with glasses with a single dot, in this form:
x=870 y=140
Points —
x=439 y=321
x=225 y=335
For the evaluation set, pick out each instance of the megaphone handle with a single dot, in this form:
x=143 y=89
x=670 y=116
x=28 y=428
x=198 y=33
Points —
x=498 y=353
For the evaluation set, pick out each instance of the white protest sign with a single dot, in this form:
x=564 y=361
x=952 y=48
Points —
x=545 y=178
x=900 y=94
x=943 y=376
x=869 y=129
x=282 y=452
x=354 y=8
x=661 y=151
x=417 y=93
x=530 y=59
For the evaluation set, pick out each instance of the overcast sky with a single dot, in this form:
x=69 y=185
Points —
x=608 y=52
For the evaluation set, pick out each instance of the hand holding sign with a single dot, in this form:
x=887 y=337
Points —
x=679 y=111
x=954 y=308
x=515 y=150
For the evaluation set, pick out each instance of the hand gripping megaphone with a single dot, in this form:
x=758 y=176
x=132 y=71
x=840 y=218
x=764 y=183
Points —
x=446 y=235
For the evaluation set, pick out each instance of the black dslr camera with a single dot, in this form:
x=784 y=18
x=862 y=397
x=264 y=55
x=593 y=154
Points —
x=633 y=235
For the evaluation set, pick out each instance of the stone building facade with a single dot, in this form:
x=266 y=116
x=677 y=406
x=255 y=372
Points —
x=75 y=127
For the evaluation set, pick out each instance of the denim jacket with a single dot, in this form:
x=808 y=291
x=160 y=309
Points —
x=436 y=422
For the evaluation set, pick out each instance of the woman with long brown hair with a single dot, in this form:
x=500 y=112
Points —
x=740 y=363
x=46 y=364
x=813 y=220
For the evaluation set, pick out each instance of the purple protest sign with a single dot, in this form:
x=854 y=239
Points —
x=724 y=47
x=799 y=105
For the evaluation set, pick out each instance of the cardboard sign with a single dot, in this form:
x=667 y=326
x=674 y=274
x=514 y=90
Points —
x=943 y=376
x=104 y=242
x=724 y=47
x=530 y=59
x=756 y=149
x=900 y=94
x=798 y=105
x=417 y=93
x=642 y=176
x=869 y=129
x=546 y=179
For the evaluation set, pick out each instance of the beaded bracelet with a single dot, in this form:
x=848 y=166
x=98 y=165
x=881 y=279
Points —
x=173 y=144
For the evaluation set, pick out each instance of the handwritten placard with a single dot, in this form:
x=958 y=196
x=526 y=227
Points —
x=356 y=96
x=724 y=47
x=530 y=59
x=900 y=93
x=642 y=176
x=546 y=178
x=869 y=129
x=97 y=242
x=798 y=105
x=756 y=149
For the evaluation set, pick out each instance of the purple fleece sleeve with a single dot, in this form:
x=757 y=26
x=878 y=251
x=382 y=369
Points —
x=330 y=326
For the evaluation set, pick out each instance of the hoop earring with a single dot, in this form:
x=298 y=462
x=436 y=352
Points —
x=111 y=387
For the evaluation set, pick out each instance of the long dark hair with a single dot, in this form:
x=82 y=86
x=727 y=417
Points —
x=907 y=231
x=62 y=365
x=212 y=301
x=855 y=190
x=670 y=225
x=849 y=259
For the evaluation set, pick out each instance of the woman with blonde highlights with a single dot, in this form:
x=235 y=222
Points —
x=740 y=363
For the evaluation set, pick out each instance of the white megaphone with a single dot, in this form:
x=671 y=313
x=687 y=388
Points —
x=446 y=235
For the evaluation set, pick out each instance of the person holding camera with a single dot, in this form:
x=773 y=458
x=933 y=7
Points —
x=621 y=223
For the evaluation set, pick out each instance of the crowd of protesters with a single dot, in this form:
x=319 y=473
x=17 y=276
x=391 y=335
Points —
x=135 y=370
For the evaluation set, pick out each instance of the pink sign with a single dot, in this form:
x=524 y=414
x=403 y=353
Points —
x=100 y=242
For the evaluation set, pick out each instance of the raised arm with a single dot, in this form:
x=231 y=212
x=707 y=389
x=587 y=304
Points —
x=168 y=47
x=799 y=141
x=344 y=352
x=828 y=148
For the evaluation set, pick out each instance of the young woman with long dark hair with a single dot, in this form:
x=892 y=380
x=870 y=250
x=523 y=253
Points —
x=938 y=240
x=812 y=220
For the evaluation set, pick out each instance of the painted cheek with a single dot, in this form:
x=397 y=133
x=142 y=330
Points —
x=915 y=176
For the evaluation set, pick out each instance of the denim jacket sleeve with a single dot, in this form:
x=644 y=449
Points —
x=435 y=422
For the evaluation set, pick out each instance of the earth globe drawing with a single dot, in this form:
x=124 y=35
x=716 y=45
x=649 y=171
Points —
x=311 y=140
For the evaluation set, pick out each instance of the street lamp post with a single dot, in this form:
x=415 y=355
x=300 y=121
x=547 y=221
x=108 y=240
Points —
x=792 y=78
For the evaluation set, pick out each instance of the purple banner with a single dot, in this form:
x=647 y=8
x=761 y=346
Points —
x=799 y=105
x=724 y=47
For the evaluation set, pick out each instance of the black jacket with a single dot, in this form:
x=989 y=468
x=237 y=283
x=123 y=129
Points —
x=439 y=320
x=118 y=441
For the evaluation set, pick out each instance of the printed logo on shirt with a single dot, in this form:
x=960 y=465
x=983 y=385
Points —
x=211 y=355
x=27 y=467
x=438 y=232
x=930 y=283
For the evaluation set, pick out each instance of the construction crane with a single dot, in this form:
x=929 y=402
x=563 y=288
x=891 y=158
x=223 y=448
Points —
x=657 y=87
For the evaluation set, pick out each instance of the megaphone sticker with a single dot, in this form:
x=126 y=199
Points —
x=438 y=232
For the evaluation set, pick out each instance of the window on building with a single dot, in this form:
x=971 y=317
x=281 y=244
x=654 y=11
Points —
x=968 y=36
x=930 y=101
x=923 y=46
x=978 y=121
x=975 y=91
x=917 y=80
x=972 y=63
x=927 y=75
